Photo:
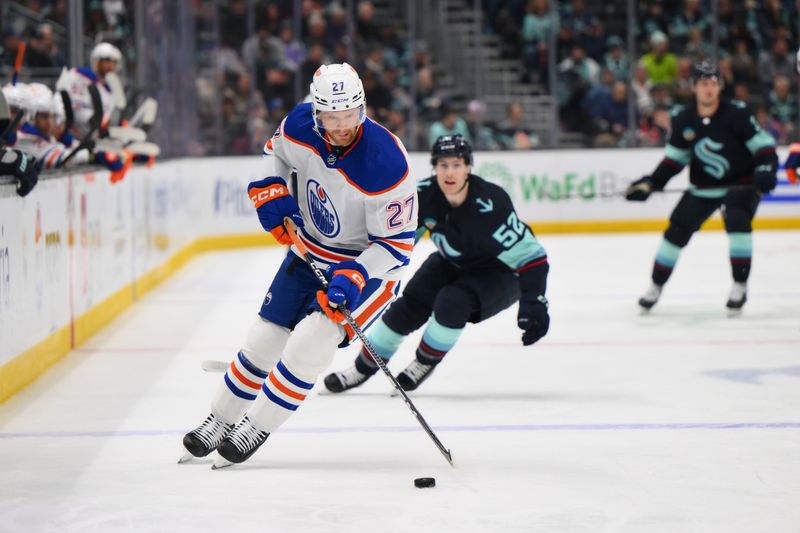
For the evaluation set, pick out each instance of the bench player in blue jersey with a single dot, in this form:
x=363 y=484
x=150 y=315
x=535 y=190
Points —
x=487 y=260
x=732 y=162
x=355 y=204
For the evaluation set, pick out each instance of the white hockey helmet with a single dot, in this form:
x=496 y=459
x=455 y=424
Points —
x=105 y=51
x=39 y=100
x=337 y=87
x=15 y=94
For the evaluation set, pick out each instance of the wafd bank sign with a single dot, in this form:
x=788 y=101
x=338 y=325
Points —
x=586 y=185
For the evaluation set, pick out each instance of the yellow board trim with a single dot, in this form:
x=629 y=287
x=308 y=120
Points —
x=607 y=226
x=29 y=365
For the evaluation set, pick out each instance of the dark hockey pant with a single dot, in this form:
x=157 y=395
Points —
x=449 y=298
x=738 y=208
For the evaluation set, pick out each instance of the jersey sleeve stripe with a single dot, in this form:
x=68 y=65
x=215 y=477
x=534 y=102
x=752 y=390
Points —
x=334 y=249
x=402 y=235
x=52 y=158
x=324 y=253
x=531 y=265
x=372 y=309
x=403 y=258
x=402 y=245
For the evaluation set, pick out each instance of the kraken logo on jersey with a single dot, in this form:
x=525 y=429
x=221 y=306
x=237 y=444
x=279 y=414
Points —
x=713 y=163
x=444 y=247
x=323 y=213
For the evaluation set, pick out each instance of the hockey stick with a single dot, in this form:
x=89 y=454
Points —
x=621 y=194
x=146 y=114
x=292 y=231
x=115 y=146
x=127 y=134
x=97 y=118
x=214 y=365
x=69 y=114
x=18 y=62
x=12 y=126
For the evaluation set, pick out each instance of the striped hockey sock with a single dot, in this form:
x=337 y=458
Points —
x=666 y=258
x=436 y=341
x=741 y=253
x=385 y=341
x=282 y=393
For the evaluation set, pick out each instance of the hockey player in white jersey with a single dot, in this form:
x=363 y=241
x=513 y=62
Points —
x=15 y=97
x=356 y=208
x=104 y=58
x=35 y=137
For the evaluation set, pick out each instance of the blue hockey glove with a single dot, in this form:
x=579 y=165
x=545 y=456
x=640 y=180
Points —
x=112 y=162
x=348 y=279
x=765 y=178
x=273 y=202
x=639 y=190
x=532 y=318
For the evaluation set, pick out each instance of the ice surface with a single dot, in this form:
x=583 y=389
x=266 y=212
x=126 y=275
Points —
x=680 y=421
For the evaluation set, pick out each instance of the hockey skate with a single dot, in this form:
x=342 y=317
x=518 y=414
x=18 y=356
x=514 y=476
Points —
x=347 y=379
x=240 y=444
x=205 y=439
x=414 y=374
x=737 y=298
x=650 y=297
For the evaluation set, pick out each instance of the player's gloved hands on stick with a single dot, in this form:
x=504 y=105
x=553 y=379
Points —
x=348 y=279
x=273 y=203
x=639 y=190
x=533 y=318
x=765 y=178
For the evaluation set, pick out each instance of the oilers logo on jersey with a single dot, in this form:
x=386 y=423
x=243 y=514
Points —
x=323 y=213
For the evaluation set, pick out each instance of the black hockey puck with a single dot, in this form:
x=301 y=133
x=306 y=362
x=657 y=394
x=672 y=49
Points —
x=424 y=482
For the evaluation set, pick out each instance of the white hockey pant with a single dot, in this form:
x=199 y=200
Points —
x=262 y=348
x=308 y=353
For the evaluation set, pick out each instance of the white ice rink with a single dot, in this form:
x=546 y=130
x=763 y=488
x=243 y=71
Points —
x=680 y=421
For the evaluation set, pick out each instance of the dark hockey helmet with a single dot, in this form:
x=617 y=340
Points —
x=451 y=146
x=705 y=69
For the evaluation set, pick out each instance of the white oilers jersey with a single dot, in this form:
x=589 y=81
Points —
x=45 y=149
x=76 y=82
x=358 y=203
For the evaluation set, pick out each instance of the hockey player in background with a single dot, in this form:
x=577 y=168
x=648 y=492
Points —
x=105 y=58
x=793 y=160
x=732 y=162
x=487 y=259
x=356 y=207
x=35 y=137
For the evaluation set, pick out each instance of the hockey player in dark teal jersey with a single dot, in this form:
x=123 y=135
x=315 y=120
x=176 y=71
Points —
x=732 y=162
x=487 y=259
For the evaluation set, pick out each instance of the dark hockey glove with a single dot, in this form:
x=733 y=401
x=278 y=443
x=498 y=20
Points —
x=533 y=318
x=765 y=177
x=273 y=203
x=639 y=190
x=20 y=165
